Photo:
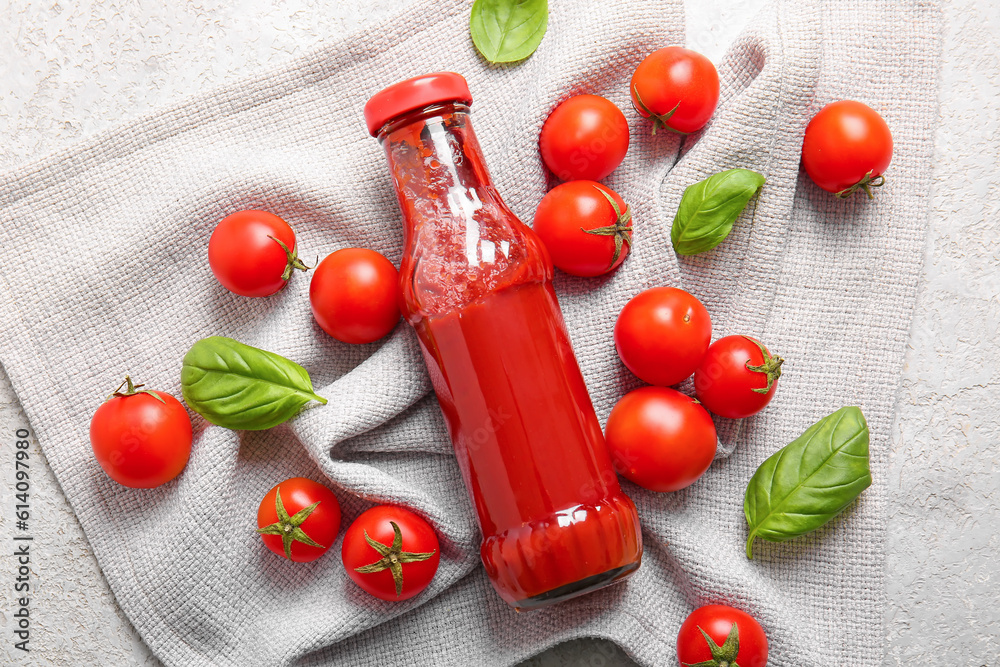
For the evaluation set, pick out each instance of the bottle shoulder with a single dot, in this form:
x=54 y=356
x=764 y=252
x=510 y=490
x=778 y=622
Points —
x=449 y=263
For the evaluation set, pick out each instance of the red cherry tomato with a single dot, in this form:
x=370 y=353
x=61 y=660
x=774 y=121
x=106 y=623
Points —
x=585 y=233
x=584 y=138
x=299 y=519
x=847 y=146
x=677 y=87
x=660 y=439
x=141 y=438
x=252 y=253
x=391 y=552
x=737 y=378
x=718 y=622
x=662 y=335
x=354 y=295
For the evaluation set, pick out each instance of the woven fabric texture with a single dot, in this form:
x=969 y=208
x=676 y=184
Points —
x=122 y=222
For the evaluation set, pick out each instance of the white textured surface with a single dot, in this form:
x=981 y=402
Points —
x=944 y=542
x=74 y=68
x=80 y=68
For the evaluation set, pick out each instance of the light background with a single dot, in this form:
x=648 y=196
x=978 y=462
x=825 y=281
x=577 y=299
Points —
x=72 y=69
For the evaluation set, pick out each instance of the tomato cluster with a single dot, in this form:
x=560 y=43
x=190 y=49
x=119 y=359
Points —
x=659 y=438
x=142 y=438
x=586 y=226
x=353 y=292
x=388 y=551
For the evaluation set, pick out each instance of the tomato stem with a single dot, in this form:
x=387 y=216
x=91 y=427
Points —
x=393 y=557
x=132 y=389
x=293 y=259
x=659 y=120
x=771 y=367
x=289 y=527
x=722 y=656
x=621 y=229
x=866 y=184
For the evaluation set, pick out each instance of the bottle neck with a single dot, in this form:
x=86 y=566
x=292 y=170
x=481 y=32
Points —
x=437 y=167
x=461 y=242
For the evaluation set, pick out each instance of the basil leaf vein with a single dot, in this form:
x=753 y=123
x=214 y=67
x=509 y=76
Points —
x=508 y=30
x=242 y=387
x=809 y=481
x=710 y=207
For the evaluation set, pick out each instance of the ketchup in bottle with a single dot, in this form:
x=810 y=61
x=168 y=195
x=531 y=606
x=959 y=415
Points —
x=477 y=288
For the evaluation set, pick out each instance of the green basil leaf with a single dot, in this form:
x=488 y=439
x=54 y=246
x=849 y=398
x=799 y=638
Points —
x=505 y=31
x=709 y=208
x=809 y=481
x=241 y=387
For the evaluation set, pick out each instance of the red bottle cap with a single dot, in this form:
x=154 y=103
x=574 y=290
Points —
x=415 y=93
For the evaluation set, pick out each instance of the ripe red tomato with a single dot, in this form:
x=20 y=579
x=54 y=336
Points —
x=660 y=439
x=584 y=138
x=391 y=552
x=738 y=377
x=253 y=253
x=586 y=227
x=677 y=87
x=299 y=519
x=354 y=295
x=847 y=146
x=141 y=438
x=662 y=335
x=736 y=638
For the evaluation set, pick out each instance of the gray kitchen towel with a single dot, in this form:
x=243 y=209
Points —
x=105 y=271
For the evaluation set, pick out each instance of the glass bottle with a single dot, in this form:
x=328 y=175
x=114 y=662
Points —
x=477 y=288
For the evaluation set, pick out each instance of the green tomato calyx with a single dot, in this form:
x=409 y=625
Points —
x=293 y=259
x=621 y=229
x=393 y=557
x=722 y=656
x=132 y=389
x=659 y=120
x=771 y=367
x=289 y=527
x=866 y=184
